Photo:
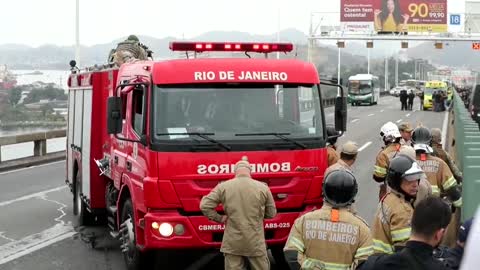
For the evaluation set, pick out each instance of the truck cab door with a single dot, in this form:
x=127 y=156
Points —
x=136 y=130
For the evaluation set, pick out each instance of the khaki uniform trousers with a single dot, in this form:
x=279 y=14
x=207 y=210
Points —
x=236 y=262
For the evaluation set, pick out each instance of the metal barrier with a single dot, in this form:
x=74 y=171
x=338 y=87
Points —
x=39 y=140
x=467 y=146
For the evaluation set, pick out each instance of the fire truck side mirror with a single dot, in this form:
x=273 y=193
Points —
x=114 y=115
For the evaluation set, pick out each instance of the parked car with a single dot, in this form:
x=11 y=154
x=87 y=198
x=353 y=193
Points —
x=396 y=90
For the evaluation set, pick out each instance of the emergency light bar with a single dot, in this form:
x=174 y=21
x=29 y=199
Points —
x=231 y=47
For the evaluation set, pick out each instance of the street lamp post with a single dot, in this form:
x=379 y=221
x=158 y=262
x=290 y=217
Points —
x=77 y=32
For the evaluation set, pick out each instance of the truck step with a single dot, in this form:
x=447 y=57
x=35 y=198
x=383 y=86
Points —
x=112 y=210
x=114 y=234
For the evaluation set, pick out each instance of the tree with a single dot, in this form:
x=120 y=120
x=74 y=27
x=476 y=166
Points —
x=47 y=109
x=14 y=96
x=49 y=93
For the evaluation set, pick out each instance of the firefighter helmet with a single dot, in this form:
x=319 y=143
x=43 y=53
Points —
x=389 y=132
x=402 y=167
x=340 y=188
x=422 y=139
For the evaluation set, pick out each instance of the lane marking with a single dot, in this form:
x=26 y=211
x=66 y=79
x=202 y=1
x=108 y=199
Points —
x=364 y=146
x=60 y=209
x=32 y=167
x=2 y=235
x=40 y=194
x=354 y=120
x=398 y=121
x=371 y=114
x=407 y=115
x=444 y=129
x=382 y=110
x=34 y=242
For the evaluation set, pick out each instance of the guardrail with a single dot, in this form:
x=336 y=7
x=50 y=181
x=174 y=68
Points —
x=40 y=154
x=467 y=152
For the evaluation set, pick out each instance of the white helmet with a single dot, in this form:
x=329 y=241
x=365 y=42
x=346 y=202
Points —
x=390 y=132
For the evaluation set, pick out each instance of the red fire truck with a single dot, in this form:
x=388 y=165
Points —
x=148 y=139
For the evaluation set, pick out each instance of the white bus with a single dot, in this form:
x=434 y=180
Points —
x=363 y=88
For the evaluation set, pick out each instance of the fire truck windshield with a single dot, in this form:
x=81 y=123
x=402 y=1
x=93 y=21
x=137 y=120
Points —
x=236 y=117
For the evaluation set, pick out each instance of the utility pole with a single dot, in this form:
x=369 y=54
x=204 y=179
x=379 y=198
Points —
x=396 y=70
x=310 y=40
x=386 y=74
x=368 y=61
x=77 y=32
x=278 y=30
x=339 y=63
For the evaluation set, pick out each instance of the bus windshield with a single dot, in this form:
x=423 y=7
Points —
x=244 y=117
x=359 y=87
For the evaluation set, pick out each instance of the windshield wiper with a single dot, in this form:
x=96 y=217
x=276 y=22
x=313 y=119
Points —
x=279 y=135
x=201 y=135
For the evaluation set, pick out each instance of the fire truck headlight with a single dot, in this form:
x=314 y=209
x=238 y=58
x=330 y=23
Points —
x=165 y=229
x=179 y=229
x=155 y=225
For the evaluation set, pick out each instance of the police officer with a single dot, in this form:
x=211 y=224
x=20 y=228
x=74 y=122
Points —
x=439 y=152
x=129 y=50
x=406 y=131
x=348 y=156
x=440 y=177
x=391 y=137
x=332 y=154
x=331 y=237
x=247 y=203
x=391 y=227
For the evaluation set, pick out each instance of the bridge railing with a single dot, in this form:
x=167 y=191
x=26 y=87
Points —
x=39 y=140
x=467 y=147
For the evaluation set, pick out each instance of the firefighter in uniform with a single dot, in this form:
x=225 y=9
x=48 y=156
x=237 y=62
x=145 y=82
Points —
x=247 y=203
x=406 y=131
x=440 y=177
x=424 y=187
x=391 y=227
x=439 y=152
x=331 y=237
x=391 y=137
x=348 y=156
x=332 y=154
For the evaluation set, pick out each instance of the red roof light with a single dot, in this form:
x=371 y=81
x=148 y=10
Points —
x=227 y=46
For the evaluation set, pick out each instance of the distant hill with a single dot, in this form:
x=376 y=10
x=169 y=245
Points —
x=18 y=56
x=458 y=54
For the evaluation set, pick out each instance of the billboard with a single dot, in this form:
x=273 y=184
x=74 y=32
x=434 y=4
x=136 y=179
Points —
x=357 y=15
x=394 y=15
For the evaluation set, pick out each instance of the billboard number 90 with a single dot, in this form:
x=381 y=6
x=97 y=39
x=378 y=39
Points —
x=421 y=10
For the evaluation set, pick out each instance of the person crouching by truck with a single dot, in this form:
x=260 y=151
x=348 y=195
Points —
x=246 y=202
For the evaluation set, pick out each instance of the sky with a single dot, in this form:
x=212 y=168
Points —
x=39 y=22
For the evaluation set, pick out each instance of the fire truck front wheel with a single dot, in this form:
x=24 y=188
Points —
x=134 y=258
x=84 y=217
